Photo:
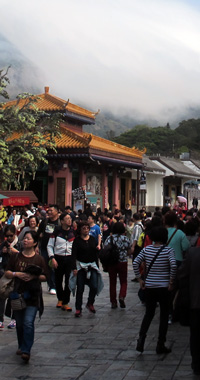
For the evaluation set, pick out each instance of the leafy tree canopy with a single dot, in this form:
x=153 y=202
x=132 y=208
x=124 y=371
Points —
x=163 y=140
x=26 y=134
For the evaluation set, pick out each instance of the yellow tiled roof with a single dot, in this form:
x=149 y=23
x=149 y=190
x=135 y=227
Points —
x=48 y=102
x=70 y=139
x=74 y=140
x=112 y=147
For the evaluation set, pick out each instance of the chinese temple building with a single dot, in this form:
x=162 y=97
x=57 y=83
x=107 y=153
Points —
x=85 y=167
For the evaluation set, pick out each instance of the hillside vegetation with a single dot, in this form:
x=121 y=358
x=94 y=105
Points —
x=164 y=140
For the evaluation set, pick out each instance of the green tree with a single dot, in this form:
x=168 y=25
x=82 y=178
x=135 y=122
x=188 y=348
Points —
x=26 y=135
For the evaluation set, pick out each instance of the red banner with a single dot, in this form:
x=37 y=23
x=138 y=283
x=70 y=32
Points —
x=16 y=201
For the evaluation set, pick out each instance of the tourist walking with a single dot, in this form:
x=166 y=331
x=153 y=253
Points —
x=122 y=243
x=160 y=273
x=28 y=289
x=59 y=250
x=85 y=267
x=95 y=231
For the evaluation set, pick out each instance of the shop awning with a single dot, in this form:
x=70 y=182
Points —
x=16 y=201
x=3 y=196
x=19 y=197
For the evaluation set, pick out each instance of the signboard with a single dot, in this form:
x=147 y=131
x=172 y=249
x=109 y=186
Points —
x=95 y=202
x=143 y=185
x=78 y=205
x=79 y=193
x=16 y=201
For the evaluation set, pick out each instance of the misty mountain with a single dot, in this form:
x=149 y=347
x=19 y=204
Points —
x=23 y=75
x=109 y=126
x=26 y=77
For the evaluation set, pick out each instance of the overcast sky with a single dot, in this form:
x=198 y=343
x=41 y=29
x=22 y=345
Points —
x=138 y=56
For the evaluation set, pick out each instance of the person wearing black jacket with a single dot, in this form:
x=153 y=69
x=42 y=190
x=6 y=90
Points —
x=85 y=266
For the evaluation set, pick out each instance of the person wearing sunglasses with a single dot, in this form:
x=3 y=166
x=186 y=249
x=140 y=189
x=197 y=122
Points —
x=85 y=267
x=9 y=247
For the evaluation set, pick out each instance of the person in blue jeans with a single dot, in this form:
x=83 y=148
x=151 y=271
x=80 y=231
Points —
x=85 y=267
x=29 y=285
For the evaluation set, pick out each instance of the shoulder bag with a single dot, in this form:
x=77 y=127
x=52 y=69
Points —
x=6 y=286
x=141 y=292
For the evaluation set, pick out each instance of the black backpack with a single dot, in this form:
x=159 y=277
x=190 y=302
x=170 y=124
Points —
x=109 y=255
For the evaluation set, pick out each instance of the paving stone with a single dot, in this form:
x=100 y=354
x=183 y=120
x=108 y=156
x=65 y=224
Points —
x=96 y=347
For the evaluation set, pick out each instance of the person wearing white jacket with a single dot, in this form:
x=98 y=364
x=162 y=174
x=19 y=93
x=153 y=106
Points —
x=59 y=250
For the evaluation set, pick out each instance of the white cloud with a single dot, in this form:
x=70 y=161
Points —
x=122 y=54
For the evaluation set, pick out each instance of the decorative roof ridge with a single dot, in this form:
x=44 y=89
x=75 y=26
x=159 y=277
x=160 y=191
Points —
x=71 y=107
x=56 y=100
x=65 y=104
x=75 y=135
x=114 y=144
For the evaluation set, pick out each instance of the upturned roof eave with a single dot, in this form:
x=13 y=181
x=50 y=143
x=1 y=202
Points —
x=115 y=155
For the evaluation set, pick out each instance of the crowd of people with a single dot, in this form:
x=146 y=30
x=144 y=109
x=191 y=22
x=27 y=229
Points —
x=65 y=246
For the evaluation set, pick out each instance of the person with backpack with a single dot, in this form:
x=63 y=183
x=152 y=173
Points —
x=59 y=250
x=119 y=268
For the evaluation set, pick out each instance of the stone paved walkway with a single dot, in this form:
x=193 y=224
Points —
x=100 y=346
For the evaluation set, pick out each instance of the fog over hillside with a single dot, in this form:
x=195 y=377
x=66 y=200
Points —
x=27 y=77
x=24 y=75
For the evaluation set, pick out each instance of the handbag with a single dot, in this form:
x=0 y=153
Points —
x=109 y=255
x=34 y=270
x=18 y=303
x=6 y=286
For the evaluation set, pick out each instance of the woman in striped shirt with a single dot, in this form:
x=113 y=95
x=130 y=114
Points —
x=157 y=285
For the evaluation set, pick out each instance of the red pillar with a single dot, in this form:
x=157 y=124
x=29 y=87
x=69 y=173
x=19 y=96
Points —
x=68 y=188
x=82 y=177
x=105 y=189
x=116 y=190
